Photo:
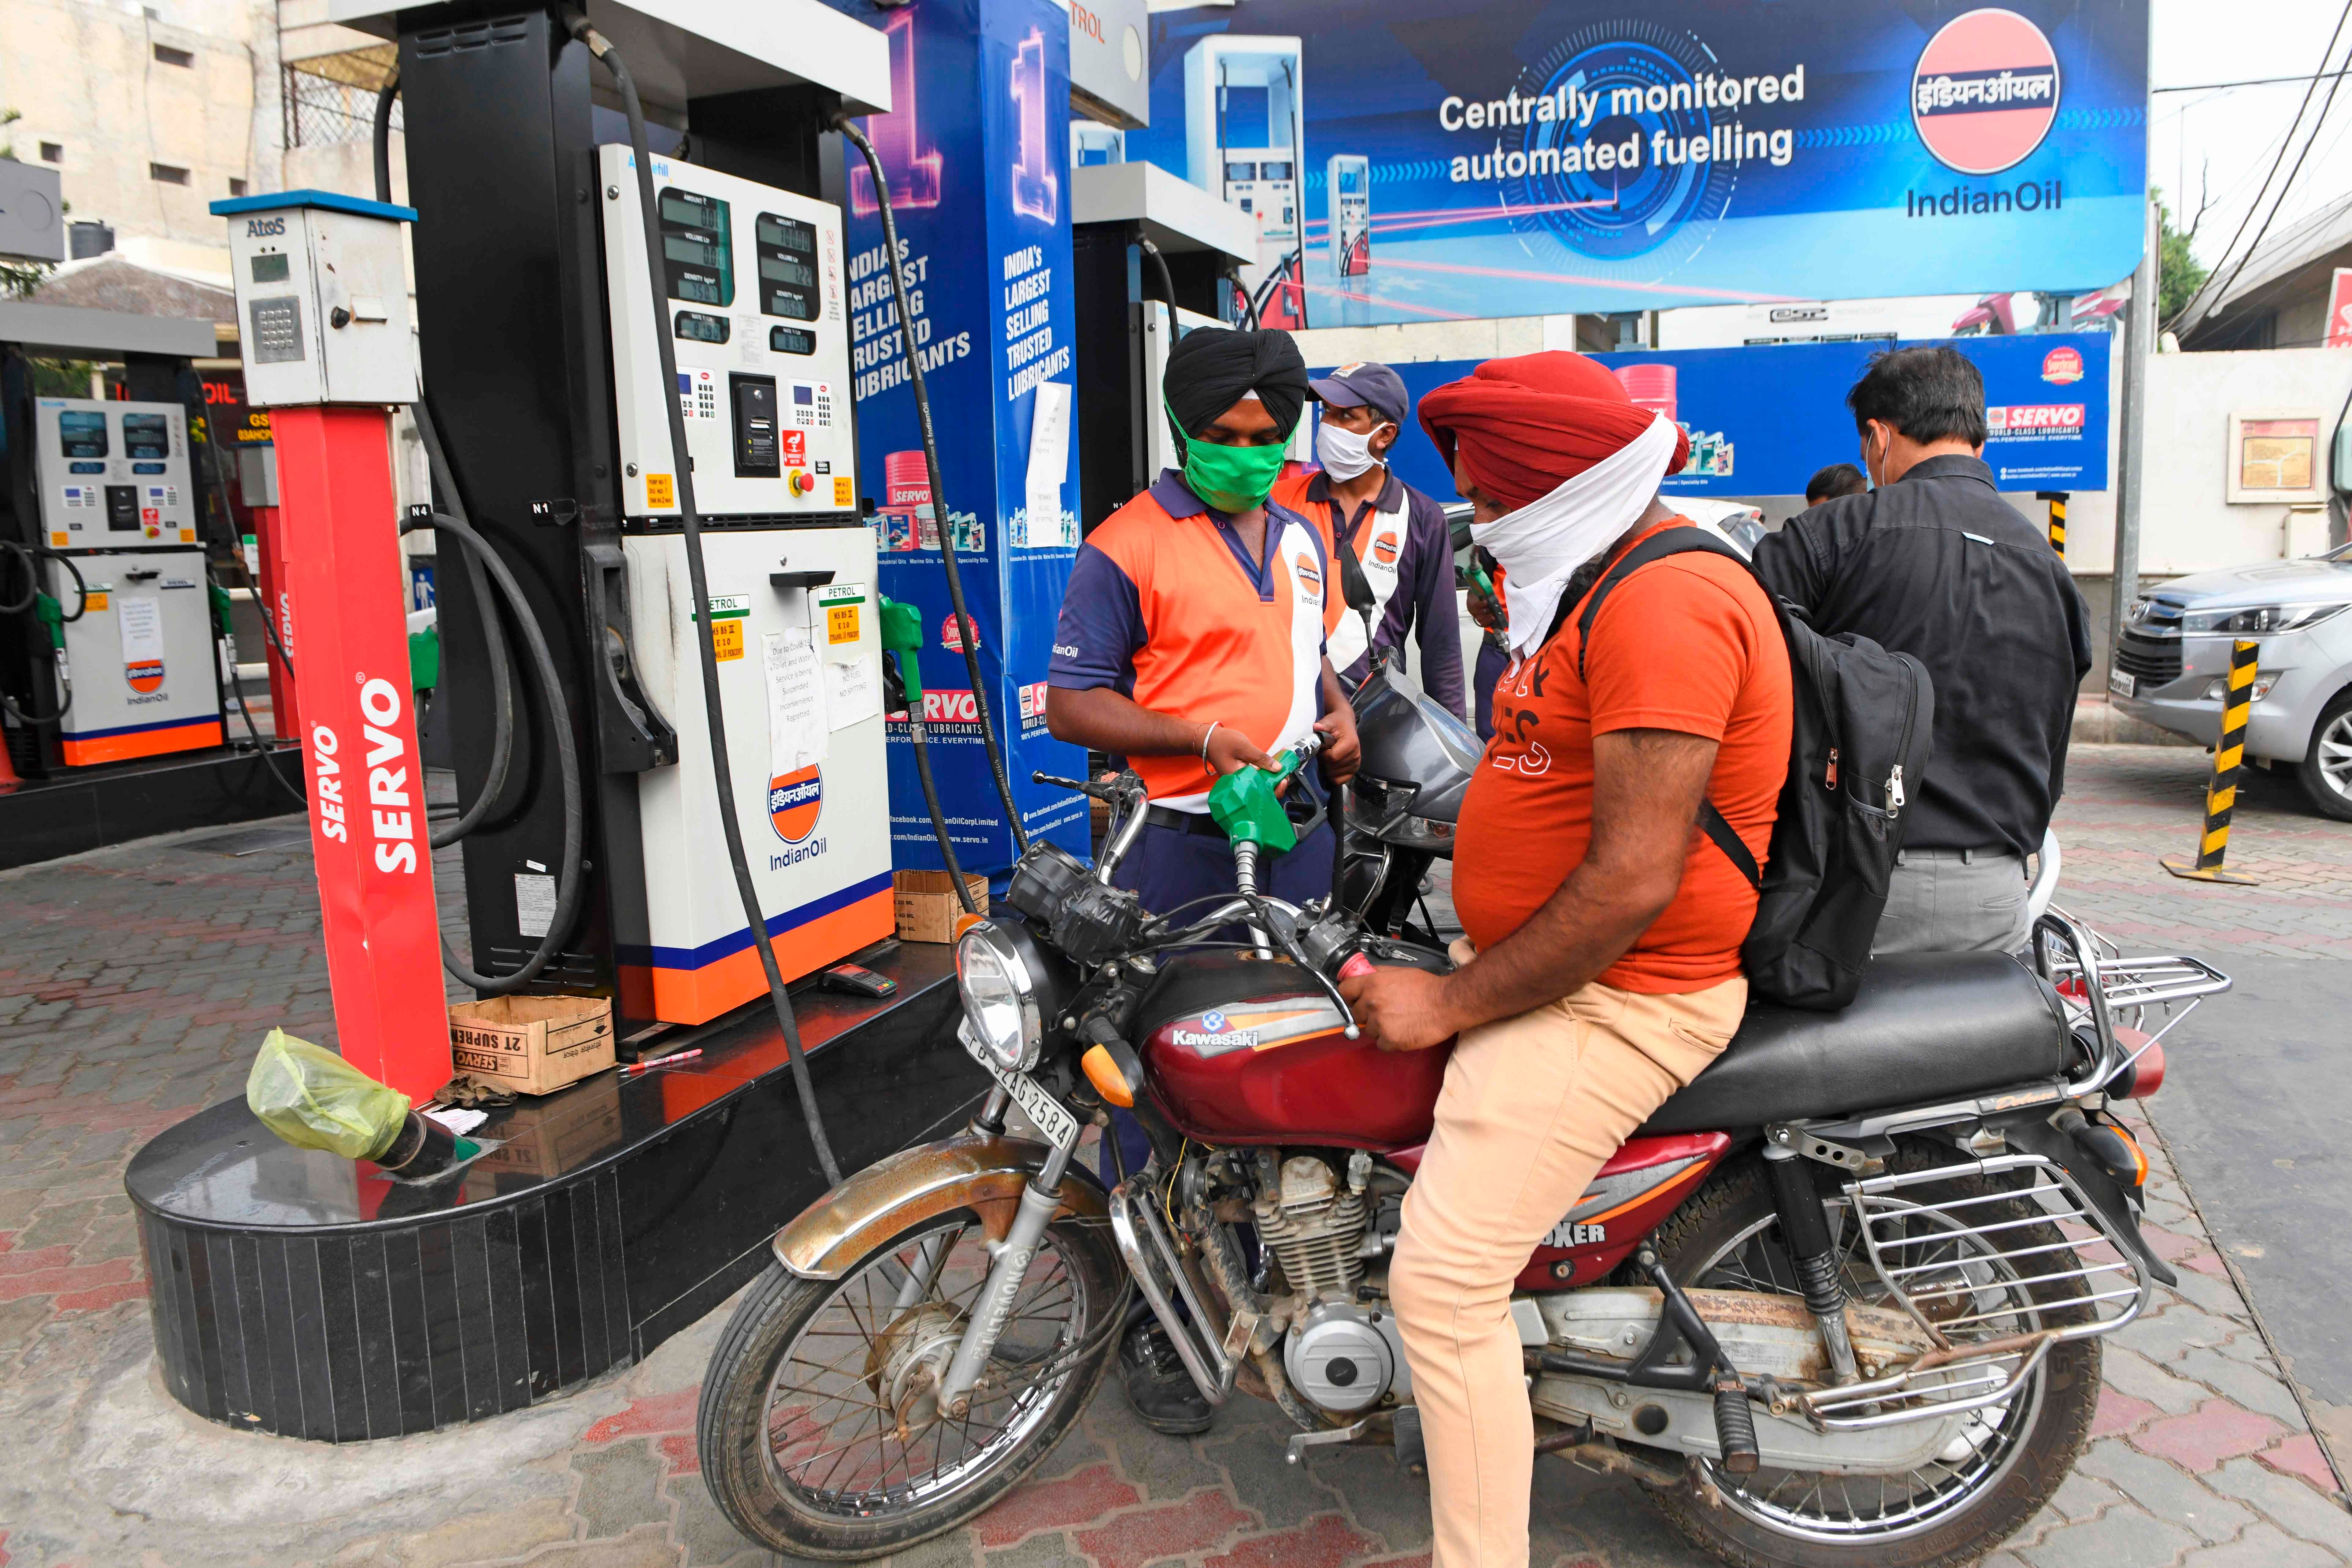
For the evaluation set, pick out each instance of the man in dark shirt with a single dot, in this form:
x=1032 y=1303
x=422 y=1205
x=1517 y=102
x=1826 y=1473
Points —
x=1934 y=563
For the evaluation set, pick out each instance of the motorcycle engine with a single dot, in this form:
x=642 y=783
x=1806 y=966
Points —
x=1340 y=1354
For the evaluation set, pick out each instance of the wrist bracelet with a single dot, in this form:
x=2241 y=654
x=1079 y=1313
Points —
x=1204 y=740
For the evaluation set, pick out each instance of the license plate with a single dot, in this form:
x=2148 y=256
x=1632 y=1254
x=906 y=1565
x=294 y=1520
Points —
x=2122 y=683
x=1049 y=1115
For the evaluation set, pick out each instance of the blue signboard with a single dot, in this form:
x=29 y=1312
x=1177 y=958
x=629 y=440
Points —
x=977 y=154
x=1762 y=420
x=1420 y=160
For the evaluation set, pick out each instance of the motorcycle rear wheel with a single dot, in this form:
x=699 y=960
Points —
x=1996 y=1476
x=794 y=1431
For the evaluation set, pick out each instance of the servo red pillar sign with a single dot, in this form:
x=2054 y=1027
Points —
x=322 y=301
x=366 y=783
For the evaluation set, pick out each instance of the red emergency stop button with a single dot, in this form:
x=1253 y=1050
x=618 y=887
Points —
x=803 y=481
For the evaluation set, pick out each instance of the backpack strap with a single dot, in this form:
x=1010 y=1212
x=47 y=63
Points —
x=1657 y=547
x=1667 y=542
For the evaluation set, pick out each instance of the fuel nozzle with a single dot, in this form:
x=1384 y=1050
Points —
x=902 y=642
x=1247 y=803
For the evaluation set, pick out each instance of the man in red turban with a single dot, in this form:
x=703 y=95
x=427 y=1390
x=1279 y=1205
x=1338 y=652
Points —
x=1601 y=971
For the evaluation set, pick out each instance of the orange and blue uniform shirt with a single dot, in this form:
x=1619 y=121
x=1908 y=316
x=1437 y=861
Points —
x=1165 y=607
x=1400 y=539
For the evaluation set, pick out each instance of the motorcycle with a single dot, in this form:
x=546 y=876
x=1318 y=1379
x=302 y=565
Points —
x=1839 y=1303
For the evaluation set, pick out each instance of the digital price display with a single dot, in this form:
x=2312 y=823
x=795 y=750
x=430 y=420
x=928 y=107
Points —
x=698 y=247
x=788 y=281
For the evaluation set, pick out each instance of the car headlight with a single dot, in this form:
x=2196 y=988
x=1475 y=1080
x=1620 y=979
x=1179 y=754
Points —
x=2258 y=620
x=1000 y=997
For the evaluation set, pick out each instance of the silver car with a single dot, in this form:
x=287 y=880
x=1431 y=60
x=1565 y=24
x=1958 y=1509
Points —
x=2174 y=660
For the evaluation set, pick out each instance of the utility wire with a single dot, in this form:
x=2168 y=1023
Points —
x=2251 y=81
x=2288 y=183
x=2324 y=54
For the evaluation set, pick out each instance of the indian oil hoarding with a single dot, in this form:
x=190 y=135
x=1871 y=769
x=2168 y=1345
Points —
x=1762 y=420
x=1589 y=155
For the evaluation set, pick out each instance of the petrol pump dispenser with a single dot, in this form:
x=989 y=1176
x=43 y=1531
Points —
x=116 y=501
x=753 y=281
x=1244 y=137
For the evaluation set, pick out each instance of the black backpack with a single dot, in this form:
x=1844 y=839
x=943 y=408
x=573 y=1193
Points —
x=1857 y=751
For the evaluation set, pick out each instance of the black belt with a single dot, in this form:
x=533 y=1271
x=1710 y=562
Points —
x=1204 y=825
x=1199 y=822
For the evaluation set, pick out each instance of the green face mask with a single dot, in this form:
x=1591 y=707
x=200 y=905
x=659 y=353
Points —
x=1231 y=478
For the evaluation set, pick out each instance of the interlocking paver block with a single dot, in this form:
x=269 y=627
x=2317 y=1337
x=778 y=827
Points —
x=2164 y=1490
x=2201 y=1441
x=2295 y=1506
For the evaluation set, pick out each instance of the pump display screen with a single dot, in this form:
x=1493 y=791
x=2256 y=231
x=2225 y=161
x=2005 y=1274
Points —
x=1350 y=182
x=274 y=269
x=786 y=234
x=791 y=340
x=698 y=247
x=1241 y=171
x=788 y=284
x=82 y=434
x=696 y=327
x=1274 y=171
x=146 y=436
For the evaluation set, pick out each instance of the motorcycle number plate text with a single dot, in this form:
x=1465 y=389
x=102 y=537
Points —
x=1060 y=1128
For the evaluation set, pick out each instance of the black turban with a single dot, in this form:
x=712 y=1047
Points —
x=1211 y=367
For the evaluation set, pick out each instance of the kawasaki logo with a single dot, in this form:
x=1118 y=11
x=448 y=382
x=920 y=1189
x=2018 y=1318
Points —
x=1222 y=1039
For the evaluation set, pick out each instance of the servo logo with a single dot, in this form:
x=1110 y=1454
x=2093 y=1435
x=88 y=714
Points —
x=2061 y=365
x=1985 y=91
x=794 y=803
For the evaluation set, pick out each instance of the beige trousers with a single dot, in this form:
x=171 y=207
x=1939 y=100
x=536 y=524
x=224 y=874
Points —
x=1531 y=1108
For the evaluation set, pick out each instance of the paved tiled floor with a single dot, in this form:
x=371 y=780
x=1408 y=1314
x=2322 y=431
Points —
x=136 y=983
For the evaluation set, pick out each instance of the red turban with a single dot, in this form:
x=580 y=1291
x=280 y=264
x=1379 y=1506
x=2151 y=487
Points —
x=1525 y=425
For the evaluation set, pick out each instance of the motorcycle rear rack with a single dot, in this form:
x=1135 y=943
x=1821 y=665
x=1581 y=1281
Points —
x=1928 y=1273
x=2097 y=982
x=1197 y=1331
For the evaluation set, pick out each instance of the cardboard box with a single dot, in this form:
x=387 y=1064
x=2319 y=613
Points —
x=532 y=1045
x=927 y=906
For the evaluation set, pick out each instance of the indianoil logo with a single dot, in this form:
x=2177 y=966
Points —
x=144 y=674
x=1384 y=549
x=1310 y=580
x=1985 y=91
x=794 y=803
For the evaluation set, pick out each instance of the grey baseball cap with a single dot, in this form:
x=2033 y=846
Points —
x=1368 y=385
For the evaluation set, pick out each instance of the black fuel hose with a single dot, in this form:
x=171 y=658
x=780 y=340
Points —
x=265 y=750
x=714 y=710
x=569 y=881
x=968 y=627
x=1159 y=265
x=28 y=556
x=444 y=479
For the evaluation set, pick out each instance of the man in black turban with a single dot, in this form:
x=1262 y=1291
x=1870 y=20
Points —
x=1190 y=643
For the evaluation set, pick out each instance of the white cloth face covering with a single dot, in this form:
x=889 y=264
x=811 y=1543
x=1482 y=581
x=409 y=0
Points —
x=1541 y=544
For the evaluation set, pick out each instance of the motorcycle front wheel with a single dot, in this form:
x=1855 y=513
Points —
x=815 y=1433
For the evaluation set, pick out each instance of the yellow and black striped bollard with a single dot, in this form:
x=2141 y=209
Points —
x=2057 y=500
x=2229 y=762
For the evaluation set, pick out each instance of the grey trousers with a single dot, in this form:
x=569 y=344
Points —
x=1954 y=900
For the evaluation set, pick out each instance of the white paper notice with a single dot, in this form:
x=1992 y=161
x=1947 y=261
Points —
x=142 y=629
x=852 y=693
x=798 y=735
x=1049 y=464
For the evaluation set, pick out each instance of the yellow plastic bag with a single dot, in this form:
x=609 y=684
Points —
x=314 y=1100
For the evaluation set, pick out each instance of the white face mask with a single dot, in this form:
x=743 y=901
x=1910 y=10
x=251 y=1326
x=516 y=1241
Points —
x=1343 y=453
x=1543 y=542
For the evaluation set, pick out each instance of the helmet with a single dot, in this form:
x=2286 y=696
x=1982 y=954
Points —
x=1417 y=763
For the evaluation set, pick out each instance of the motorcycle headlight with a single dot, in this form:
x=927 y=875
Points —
x=2261 y=620
x=1000 y=996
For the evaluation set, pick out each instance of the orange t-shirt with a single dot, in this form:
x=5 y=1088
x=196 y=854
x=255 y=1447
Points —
x=1689 y=644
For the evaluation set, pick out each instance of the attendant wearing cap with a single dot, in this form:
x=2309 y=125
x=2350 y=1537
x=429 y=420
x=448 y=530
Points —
x=1600 y=971
x=1396 y=534
x=1190 y=643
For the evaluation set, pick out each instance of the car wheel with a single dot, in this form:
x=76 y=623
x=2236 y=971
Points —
x=2327 y=770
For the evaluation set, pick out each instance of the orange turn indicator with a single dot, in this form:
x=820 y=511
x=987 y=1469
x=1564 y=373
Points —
x=1102 y=1071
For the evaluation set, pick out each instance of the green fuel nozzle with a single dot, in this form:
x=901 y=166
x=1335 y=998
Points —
x=1246 y=804
x=221 y=609
x=52 y=614
x=902 y=636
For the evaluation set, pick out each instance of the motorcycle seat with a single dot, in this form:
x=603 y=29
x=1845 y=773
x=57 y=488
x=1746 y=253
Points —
x=1923 y=1028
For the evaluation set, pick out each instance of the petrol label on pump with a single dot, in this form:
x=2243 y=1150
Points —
x=728 y=614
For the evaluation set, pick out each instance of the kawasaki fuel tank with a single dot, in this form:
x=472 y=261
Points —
x=1249 y=1050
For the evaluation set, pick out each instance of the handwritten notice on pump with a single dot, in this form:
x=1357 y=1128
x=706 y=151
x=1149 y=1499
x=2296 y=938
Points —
x=852 y=691
x=798 y=733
